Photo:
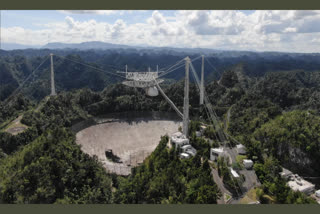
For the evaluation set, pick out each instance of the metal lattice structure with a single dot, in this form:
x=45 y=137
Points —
x=142 y=76
x=146 y=80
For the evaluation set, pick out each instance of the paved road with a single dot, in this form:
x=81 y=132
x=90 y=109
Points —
x=251 y=179
x=232 y=154
x=220 y=185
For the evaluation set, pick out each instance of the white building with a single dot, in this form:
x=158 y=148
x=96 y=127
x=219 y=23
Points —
x=318 y=193
x=178 y=139
x=217 y=152
x=247 y=163
x=241 y=149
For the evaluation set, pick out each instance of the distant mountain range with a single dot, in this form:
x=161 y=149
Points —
x=85 y=45
x=107 y=46
x=104 y=46
x=95 y=45
x=60 y=45
x=101 y=46
x=14 y=46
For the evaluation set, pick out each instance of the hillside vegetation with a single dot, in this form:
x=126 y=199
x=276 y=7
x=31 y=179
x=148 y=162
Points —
x=52 y=169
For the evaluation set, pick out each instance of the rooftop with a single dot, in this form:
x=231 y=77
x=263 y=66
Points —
x=177 y=134
x=240 y=146
x=179 y=139
x=186 y=146
x=234 y=173
x=247 y=161
x=184 y=155
x=217 y=150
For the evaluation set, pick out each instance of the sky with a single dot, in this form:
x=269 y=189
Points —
x=253 y=30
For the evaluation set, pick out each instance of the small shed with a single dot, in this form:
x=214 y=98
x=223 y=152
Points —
x=217 y=152
x=247 y=163
x=178 y=139
x=241 y=149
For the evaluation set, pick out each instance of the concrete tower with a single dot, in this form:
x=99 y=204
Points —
x=202 y=82
x=186 y=100
x=53 y=89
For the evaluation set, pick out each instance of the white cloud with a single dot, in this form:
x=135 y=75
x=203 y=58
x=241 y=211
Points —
x=118 y=28
x=290 y=30
x=260 y=30
x=157 y=18
x=279 y=21
x=215 y=22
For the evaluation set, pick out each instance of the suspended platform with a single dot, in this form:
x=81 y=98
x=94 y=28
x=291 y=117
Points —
x=145 y=80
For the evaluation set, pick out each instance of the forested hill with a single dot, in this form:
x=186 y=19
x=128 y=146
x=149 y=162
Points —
x=16 y=65
x=276 y=115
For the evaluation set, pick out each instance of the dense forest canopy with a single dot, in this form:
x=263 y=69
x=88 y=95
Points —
x=16 y=65
x=52 y=169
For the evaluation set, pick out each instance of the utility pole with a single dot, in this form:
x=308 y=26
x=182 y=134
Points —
x=202 y=82
x=53 y=90
x=126 y=70
x=186 y=99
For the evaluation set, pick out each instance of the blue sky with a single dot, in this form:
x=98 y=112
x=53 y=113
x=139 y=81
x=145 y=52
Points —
x=30 y=18
x=293 y=31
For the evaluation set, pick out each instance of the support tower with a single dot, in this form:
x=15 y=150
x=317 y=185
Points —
x=202 y=82
x=53 y=89
x=186 y=100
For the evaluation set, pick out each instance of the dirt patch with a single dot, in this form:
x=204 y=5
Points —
x=16 y=127
x=132 y=141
